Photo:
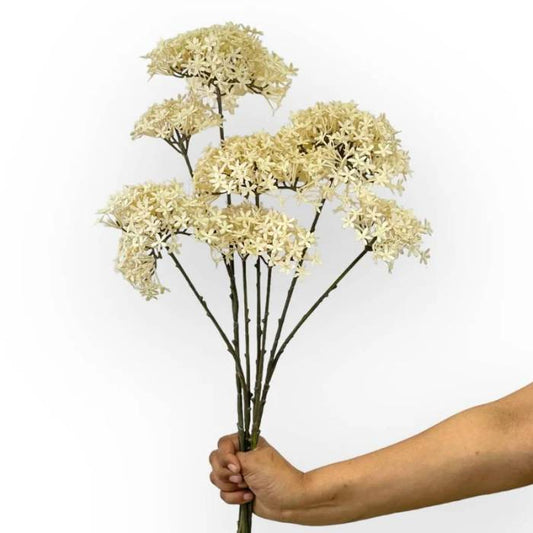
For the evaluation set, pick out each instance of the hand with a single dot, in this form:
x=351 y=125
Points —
x=262 y=475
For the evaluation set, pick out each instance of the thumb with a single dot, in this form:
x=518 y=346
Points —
x=251 y=460
x=246 y=461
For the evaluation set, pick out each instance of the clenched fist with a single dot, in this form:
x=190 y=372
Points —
x=262 y=474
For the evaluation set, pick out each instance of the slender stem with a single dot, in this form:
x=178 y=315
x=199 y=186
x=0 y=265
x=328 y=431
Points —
x=260 y=364
x=221 y=113
x=221 y=132
x=240 y=416
x=260 y=337
x=239 y=373
x=322 y=297
x=290 y=292
x=281 y=320
x=203 y=303
x=258 y=329
x=182 y=149
x=188 y=162
x=246 y=343
x=325 y=294
x=244 y=524
x=234 y=296
x=267 y=309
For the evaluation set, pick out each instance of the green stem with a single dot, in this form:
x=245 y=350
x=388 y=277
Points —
x=247 y=402
x=240 y=414
x=290 y=292
x=221 y=132
x=221 y=113
x=203 y=303
x=234 y=296
x=183 y=149
x=323 y=296
x=260 y=364
x=244 y=524
x=258 y=329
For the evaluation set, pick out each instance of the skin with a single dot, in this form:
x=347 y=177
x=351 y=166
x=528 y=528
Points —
x=485 y=449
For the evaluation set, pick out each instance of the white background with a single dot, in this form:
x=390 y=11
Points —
x=110 y=405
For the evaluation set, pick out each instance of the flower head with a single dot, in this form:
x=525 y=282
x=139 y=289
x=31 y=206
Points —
x=363 y=148
x=257 y=164
x=229 y=58
x=150 y=216
x=247 y=229
x=183 y=116
x=391 y=229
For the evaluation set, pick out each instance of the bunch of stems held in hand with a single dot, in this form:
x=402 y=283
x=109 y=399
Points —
x=251 y=400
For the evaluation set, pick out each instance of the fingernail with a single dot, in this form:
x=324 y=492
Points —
x=247 y=497
x=233 y=468
x=235 y=479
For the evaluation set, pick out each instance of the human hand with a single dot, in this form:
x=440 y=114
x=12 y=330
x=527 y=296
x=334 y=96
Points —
x=262 y=475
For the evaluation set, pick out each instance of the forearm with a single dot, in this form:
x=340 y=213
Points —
x=479 y=451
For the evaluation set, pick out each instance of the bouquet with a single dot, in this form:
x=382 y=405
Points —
x=331 y=152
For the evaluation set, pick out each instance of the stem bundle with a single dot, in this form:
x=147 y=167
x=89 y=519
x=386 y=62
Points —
x=251 y=401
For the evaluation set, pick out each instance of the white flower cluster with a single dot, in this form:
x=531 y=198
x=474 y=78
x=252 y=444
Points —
x=153 y=216
x=391 y=229
x=183 y=116
x=247 y=229
x=150 y=216
x=330 y=151
x=362 y=148
x=229 y=58
x=256 y=164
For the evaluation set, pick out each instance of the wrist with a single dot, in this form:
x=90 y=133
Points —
x=325 y=498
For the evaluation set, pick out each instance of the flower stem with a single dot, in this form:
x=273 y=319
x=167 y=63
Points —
x=247 y=402
x=323 y=296
x=258 y=329
x=293 y=284
x=221 y=113
x=281 y=320
x=260 y=363
x=244 y=524
x=275 y=355
x=183 y=149
x=203 y=303
x=221 y=132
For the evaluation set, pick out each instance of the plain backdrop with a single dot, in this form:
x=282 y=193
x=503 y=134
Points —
x=109 y=405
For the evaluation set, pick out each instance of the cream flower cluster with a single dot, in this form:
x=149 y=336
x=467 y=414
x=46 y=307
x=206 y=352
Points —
x=330 y=151
x=150 y=216
x=392 y=229
x=327 y=147
x=256 y=164
x=229 y=57
x=153 y=216
x=183 y=116
x=363 y=148
x=253 y=230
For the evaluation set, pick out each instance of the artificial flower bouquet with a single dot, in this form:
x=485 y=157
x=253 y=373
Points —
x=331 y=152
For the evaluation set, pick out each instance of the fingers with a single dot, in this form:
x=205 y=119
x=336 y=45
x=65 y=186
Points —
x=221 y=472
x=226 y=486
x=226 y=468
x=237 y=497
x=228 y=446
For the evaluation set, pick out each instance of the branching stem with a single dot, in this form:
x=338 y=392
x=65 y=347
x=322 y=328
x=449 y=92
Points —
x=181 y=145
